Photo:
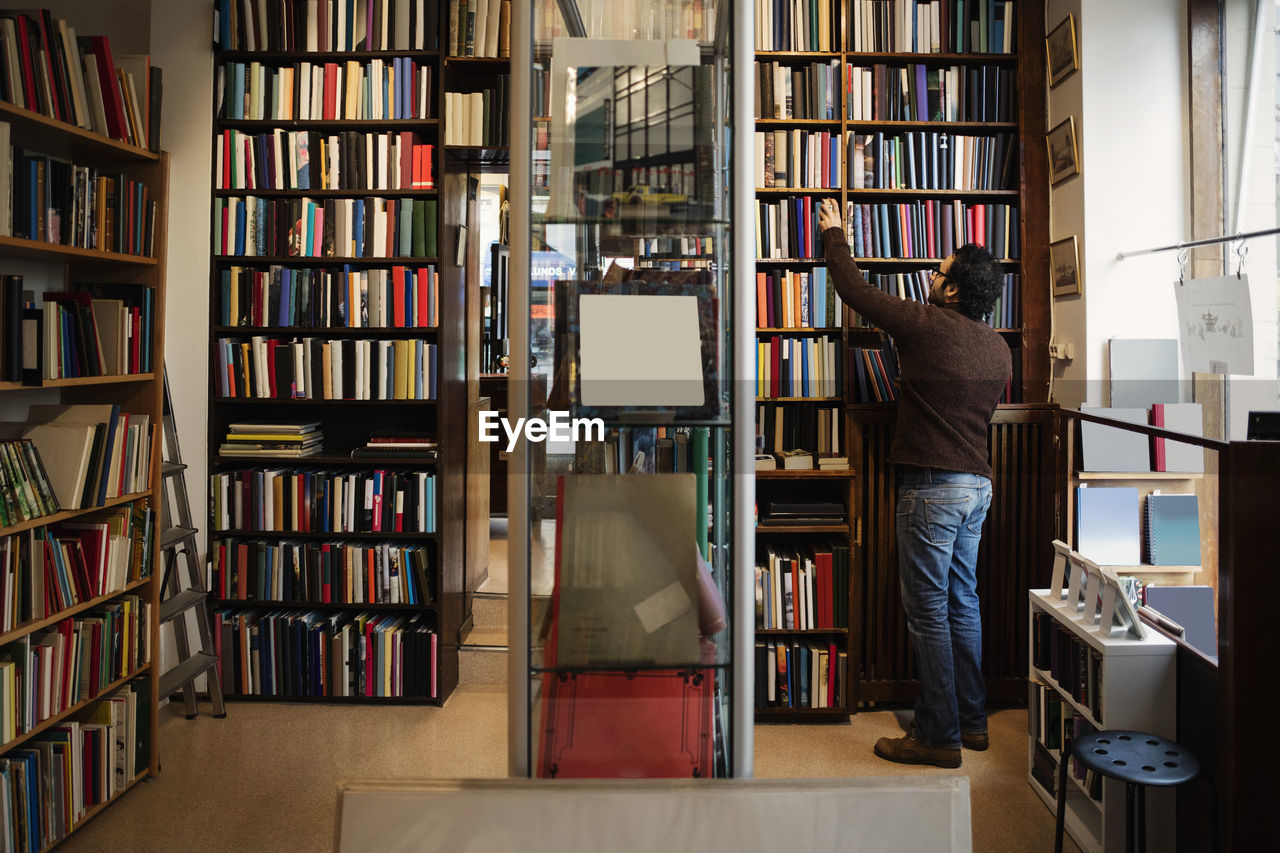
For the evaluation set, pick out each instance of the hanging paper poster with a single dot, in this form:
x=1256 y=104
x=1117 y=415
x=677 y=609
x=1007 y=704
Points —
x=1215 y=324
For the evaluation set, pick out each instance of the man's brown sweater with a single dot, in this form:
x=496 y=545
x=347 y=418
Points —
x=953 y=370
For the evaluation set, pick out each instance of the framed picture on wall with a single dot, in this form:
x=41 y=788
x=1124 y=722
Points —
x=1060 y=51
x=1063 y=162
x=1064 y=267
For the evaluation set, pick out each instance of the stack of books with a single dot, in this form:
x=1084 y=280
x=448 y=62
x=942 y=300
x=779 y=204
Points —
x=831 y=462
x=397 y=444
x=796 y=460
x=790 y=513
x=257 y=438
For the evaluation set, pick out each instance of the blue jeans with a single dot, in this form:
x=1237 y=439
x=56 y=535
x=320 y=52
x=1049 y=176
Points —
x=939 y=525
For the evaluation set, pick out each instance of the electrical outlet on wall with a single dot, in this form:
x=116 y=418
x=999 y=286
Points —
x=1062 y=352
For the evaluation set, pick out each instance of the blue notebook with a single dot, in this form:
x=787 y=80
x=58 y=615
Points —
x=1192 y=608
x=1173 y=530
x=1107 y=525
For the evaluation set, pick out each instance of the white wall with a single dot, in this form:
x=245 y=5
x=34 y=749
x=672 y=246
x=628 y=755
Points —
x=1130 y=109
x=181 y=44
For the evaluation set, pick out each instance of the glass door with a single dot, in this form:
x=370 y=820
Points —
x=631 y=534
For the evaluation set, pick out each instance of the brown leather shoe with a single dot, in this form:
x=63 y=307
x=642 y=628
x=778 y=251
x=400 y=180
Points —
x=977 y=741
x=908 y=750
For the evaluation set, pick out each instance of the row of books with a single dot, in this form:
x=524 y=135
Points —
x=789 y=299
x=25 y=490
x=88 y=336
x=335 y=227
x=47 y=671
x=917 y=92
x=810 y=91
x=817 y=429
x=798 y=367
x=930 y=228
x=606 y=19
x=932 y=26
x=479 y=28
x=326 y=25
x=91 y=452
x=671 y=248
x=788 y=228
x=303 y=160
x=798 y=158
x=1006 y=313
x=307 y=501
x=478 y=118
x=400 y=297
x=373 y=90
x=303 y=653
x=803 y=25
x=1053 y=723
x=931 y=161
x=1072 y=663
x=75 y=562
x=807 y=674
x=323 y=369
x=46 y=68
x=641 y=450
x=872 y=375
x=49 y=783
x=54 y=201
x=803 y=590
x=293 y=572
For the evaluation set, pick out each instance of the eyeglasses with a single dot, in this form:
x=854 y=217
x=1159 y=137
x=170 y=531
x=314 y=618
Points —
x=936 y=269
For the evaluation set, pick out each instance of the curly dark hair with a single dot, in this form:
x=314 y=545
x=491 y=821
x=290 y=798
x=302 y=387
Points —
x=978 y=275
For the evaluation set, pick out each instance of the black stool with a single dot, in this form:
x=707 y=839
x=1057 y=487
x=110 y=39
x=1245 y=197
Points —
x=1135 y=758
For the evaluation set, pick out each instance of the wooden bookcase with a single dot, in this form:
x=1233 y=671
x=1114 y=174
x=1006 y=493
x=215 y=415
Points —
x=1134 y=688
x=347 y=423
x=880 y=665
x=50 y=267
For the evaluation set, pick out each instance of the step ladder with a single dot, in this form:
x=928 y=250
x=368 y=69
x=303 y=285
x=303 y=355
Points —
x=179 y=596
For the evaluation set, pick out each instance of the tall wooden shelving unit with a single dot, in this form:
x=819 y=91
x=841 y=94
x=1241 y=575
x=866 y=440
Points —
x=347 y=423
x=881 y=668
x=139 y=393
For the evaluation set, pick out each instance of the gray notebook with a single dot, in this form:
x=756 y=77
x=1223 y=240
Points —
x=1105 y=448
x=1143 y=371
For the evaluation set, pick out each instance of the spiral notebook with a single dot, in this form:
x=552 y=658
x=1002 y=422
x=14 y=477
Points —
x=1172 y=530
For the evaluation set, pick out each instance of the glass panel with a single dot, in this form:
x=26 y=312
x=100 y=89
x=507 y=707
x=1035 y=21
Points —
x=629 y=324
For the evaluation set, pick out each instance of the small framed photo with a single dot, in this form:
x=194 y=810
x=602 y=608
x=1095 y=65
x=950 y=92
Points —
x=1064 y=267
x=1060 y=50
x=1063 y=160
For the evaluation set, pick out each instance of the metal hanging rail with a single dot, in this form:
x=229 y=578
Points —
x=1208 y=241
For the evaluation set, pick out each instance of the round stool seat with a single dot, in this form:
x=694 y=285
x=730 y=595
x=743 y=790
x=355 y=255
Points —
x=1136 y=757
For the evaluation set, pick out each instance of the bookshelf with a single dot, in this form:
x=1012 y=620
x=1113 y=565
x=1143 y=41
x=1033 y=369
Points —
x=48 y=619
x=908 y=138
x=342 y=128
x=1130 y=684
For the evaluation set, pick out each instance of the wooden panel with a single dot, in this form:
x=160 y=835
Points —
x=1013 y=558
x=1032 y=125
x=1246 y=658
